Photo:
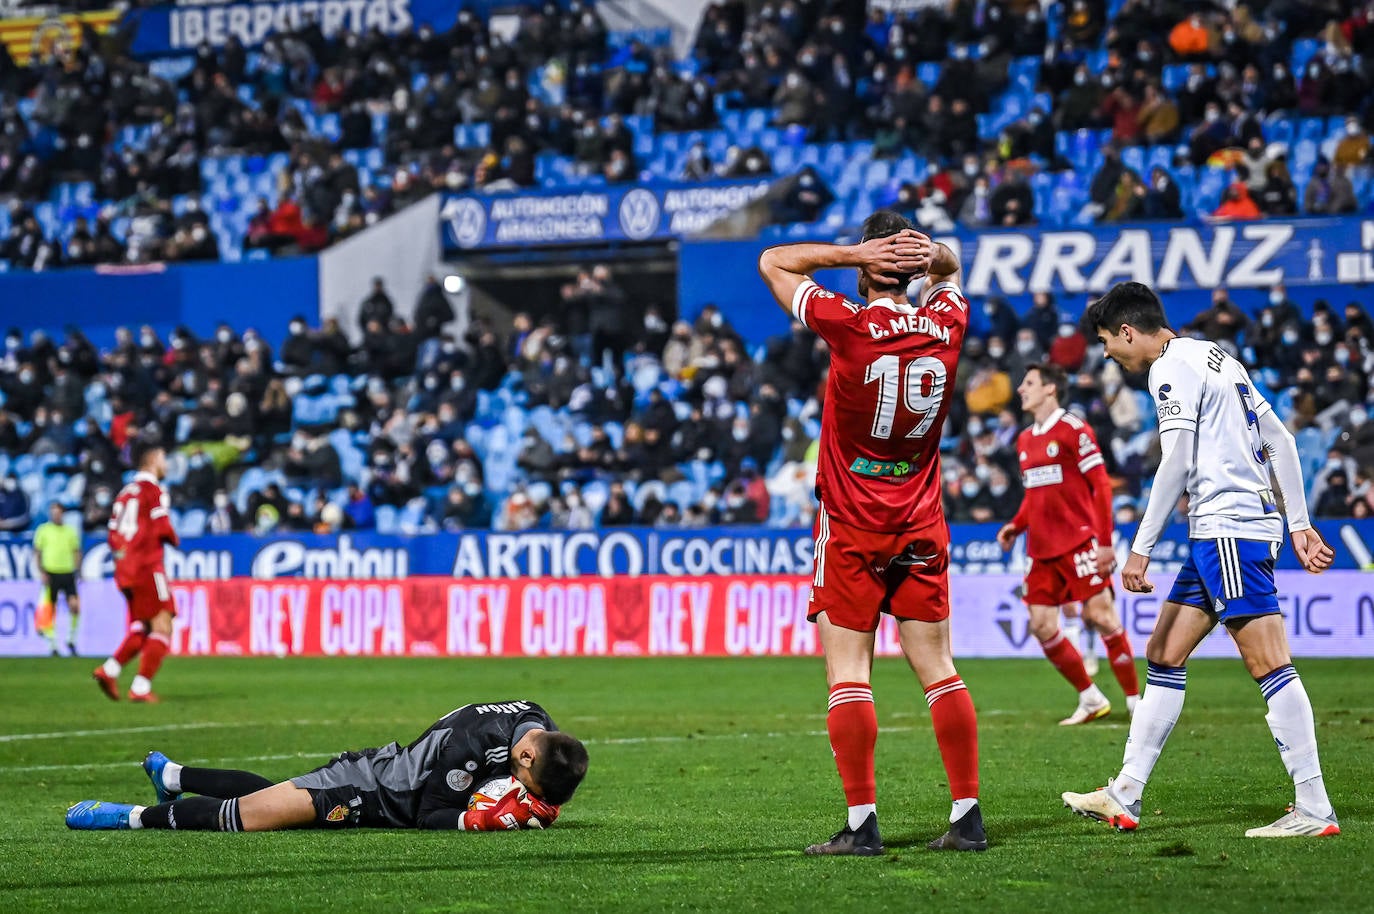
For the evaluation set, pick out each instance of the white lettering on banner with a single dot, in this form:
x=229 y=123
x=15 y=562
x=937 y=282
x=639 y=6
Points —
x=760 y=616
x=362 y=619
x=18 y=562
x=1269 y=239
x=1129 y=259
x=1065 y=254
x=674 y=610
x=286 y=558
x=191 y=625
x=1207 y=267
x=563 y=619
x=277 y=619
x=476 y=619
x=1000 y=257
x=250 y=24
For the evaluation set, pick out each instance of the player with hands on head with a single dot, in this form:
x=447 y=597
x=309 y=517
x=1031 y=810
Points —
x=1225 y=446
x=1066 y=515
x=432 y=783
x=881 y=541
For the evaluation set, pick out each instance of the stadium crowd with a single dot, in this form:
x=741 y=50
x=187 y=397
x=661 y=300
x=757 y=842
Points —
x=666 y=424
x=561 y=85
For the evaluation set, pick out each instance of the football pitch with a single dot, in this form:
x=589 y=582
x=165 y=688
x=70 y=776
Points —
x=707 y=778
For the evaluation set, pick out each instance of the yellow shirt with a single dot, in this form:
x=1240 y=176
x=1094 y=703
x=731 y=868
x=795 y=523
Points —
x=58 y=546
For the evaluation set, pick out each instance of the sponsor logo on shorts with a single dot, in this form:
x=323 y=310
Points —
x=459 y=780
x=865 y=467
x=337 y=814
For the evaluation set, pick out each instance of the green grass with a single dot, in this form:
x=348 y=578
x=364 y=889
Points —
x=707 y=779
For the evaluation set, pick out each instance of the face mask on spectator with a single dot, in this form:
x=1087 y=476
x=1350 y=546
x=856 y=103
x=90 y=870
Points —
x=1357 y=417
x=1267 y=320
x=457 y=382
x=1066 y=330
x=224 y=336
x=147 y=339
x=997 y=351
x=26 y=376
x=970 y=168
x=1323 y=337
x=1080 y=78
x=969 y=489
x=102 y=498
x=221 y=500
x=1025 y=347
x=975 y=427
x=1342 y=356
x=1290 y=337
x=998 y=489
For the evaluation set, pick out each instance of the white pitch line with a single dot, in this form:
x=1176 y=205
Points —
x=612 y=741
x=157 y=728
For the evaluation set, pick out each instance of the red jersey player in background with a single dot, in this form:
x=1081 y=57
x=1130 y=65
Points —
x=1067 y=518
x=882 y=544
x=139 y=528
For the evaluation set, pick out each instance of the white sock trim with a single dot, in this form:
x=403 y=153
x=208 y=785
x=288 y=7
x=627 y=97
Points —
x=136 y=817
x=112 y=667
x=141 y=685
x=960 y=808
x=171 y=777
x=857 y=814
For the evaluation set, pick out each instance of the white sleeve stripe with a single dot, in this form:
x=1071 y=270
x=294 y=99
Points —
x=799 y=299
x=157 y=512
x=1087 y=463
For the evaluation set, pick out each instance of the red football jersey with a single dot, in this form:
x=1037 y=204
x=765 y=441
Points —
x=139 y=526
x=891 y=377
x=1068 y=495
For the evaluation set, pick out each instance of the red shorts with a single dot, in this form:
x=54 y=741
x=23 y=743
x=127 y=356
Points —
x=1068 y=578
x=148 y=596
x=861 y=574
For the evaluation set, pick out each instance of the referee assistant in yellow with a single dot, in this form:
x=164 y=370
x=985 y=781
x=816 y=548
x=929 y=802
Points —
x=59 y=555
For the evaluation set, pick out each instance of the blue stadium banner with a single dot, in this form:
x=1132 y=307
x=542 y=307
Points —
x=1170 y=256
x=182 y=27
x=630 y=213
x=621 y=552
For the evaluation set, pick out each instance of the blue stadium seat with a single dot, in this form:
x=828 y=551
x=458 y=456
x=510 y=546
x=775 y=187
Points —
x=928 y=73
x=757 y=118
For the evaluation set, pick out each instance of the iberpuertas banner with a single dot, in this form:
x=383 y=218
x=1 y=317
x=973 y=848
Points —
x=1330 y=615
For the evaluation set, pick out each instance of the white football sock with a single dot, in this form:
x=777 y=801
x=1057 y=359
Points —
x=1153 y=721
x=1092 y=694
x=1131 y=702
x=857 y=814
x=961 y=808
x=171 y=777
x=1295 y=733
x=141 y=685
x=112 y=668
x=136 y=817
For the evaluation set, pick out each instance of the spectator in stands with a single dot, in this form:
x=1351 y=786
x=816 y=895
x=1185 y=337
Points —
x=1193 y=38
x=1278 y=197
x=1353 y=149
x=432 y=310
x=618 y=512
x=1158 y=117
x=1236 y=204
x=1070 y=347
x=376 y=307
x=1128 y=204
x=1224 y=321
x=14 y=505
x=1328 y=192
x=698 y=166
x=976 y=210
x=1162 y=199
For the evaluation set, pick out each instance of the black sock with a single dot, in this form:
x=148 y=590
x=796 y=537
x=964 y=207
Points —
x=222 y=782
x=194 y=814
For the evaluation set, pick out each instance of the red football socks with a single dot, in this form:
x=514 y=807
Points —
x=956 y=731
x=131 y=645
x=853 y=727
x=1061 y=652
x=1123 y=661
x=154 y=650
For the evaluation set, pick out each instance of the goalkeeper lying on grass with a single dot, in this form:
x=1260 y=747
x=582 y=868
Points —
x=429 y=784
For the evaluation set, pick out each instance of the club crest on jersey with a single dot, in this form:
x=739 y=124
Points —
x=1052 y=449
x=458 y=780
x=337 y=814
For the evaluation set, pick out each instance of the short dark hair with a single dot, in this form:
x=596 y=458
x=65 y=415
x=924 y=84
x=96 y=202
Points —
x=1051 y=373
x=1131 y=303
x=141 y=449
x=560 y=766
x=883 y=224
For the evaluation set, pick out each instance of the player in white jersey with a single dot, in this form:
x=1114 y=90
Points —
x=1224 y=444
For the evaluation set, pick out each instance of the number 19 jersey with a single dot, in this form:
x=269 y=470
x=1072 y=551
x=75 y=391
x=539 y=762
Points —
x=892 y=369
